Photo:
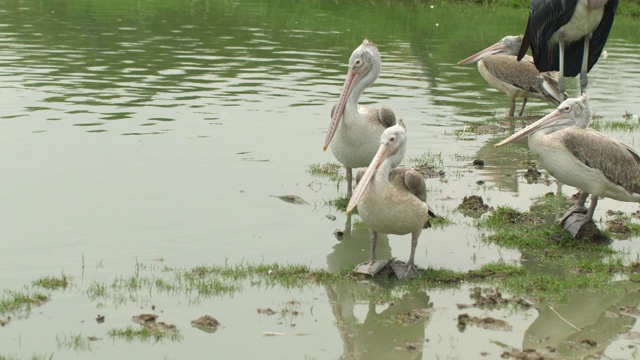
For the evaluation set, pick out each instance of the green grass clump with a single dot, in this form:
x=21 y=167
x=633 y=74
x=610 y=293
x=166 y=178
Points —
x=340 y=203
x=20 y=301
x=327 y=170
x=33 y=357
x=73 y=342
x=428 y=160
x=53 y=282
x=145 y=334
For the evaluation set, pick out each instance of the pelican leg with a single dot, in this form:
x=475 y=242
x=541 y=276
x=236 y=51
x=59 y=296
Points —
x=349 y=181
x=407 y=271
x=512 y=107
x=561 y=87
x=575 y=222
x=373 y=266
x=524 y=102
x=577 y=208
x=585 y=63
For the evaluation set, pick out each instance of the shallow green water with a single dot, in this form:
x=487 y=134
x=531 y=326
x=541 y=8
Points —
x=159 y=130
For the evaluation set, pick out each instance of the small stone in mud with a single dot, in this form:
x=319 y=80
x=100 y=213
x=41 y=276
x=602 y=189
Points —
x=338 y=233
x=617 y=226
x=266 y=311
x=473 y=203
x=480 y=182
x=206 y=323
x=100 y=319
x=478 y=162
x=144 y=319
x=331 y=217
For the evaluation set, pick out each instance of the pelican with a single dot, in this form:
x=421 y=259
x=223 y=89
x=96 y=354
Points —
x=499 y=66
x=582 y=157
x=391 y=200
x=568 y=36
x=356 y=129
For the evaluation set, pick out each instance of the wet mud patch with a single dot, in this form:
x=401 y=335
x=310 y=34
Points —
x=618 y=226
x=411 y=317
x=490 y=297
x=532 y=175
x=526 y=354
x=206 y=323
x=150 y=328
x=266 y=311
x=473 y=203
x=487 y=323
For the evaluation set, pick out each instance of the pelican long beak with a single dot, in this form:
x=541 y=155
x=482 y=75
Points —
x=493 y=49
x=383 y=152
x=347 y=88
x=550 y=120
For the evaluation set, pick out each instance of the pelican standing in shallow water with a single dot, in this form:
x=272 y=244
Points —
x=568 y=36
x=391 y=200
x=500 y=67
x=354 y=130
x=582 y=157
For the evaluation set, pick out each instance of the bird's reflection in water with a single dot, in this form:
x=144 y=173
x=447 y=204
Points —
x=353 y=247
x=593 y=322
x=372 y=328
x=370 y=325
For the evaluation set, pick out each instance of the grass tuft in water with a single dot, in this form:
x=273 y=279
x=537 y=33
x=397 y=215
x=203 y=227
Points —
x=75 y=342
x=52 y=282
x=340 y=203
x=432 y=164
x=32 y=357
x=145 y=334
x=20 y=301
x=327 y=170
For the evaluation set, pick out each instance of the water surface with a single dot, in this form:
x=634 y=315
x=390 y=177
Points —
x=146 y=131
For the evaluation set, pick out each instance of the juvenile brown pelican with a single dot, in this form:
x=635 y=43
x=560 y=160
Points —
x=568 y=36
x=357 y=128
x=391 y=200
x=499 y=66
x=582 y=157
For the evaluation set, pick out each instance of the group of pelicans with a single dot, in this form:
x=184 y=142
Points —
x=566 y=36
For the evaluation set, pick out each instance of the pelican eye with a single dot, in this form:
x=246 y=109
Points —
x=392 y=139
x=358 y=62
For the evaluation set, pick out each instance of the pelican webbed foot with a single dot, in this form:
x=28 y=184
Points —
x=576 y=209
x=404 y=271
x=371 y=267
x=575 y=222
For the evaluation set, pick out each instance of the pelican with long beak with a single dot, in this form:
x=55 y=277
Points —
x=582 y=157
x=355 y=129
x=500 y=67
x=391 y=200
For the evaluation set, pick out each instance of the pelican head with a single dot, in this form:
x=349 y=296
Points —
x=390 y=154
x=508 y=45
x=573 y=112
x=364 y=68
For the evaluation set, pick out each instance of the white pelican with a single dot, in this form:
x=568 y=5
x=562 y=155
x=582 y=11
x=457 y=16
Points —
x=391 y=200
x=499 y=66
x=582 y=157
x=568 y=36
x=357 y=128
